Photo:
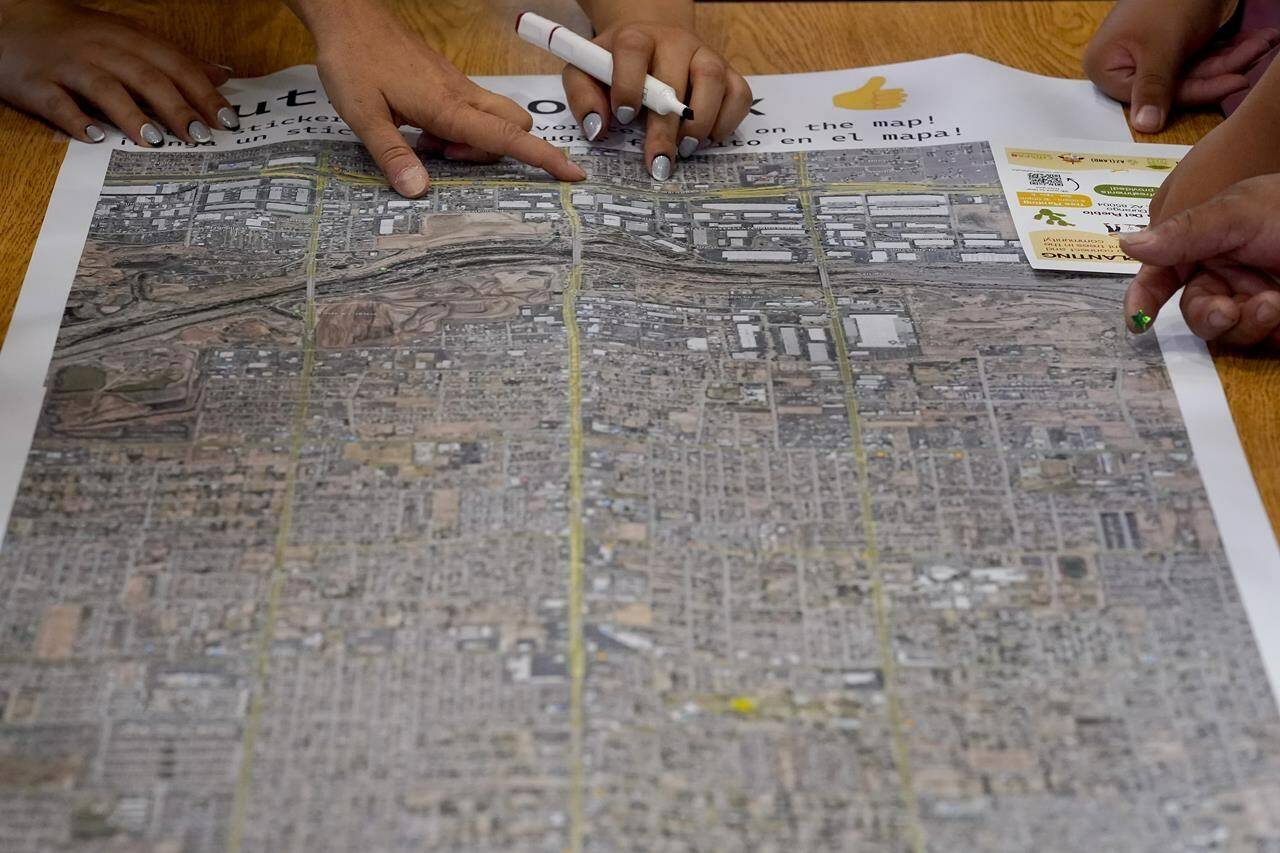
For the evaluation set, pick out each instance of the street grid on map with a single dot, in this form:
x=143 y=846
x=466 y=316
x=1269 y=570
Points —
x=777 y=507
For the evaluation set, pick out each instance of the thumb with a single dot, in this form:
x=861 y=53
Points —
x=875 y=84
x=391 y=152
x=1155 y=80
x=1215 y=228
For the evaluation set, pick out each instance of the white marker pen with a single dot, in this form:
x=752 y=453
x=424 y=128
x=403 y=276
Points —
x=594 y=60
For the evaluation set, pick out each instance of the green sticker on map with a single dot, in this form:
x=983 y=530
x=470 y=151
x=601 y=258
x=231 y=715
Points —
x=1126 y=191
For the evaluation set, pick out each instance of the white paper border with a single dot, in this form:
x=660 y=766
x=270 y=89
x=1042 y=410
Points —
x=1243 y=524
x=33 y=331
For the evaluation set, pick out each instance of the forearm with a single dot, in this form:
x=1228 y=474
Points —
x=606 y=13
x=325 y=17
x=1260 y=112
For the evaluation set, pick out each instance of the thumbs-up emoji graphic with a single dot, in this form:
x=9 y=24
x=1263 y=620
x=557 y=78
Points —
x=872 y=96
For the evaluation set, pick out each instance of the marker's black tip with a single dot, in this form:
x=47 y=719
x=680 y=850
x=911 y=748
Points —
x=688 y=114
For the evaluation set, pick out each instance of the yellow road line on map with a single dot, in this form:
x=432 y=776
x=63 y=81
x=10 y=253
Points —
x=487 y=183
x=577 y=651
x=879 y=600
x=253 y=722
x=323 y=173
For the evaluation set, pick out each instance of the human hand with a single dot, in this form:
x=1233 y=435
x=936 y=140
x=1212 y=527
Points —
x=1230 y=153
x=718 y=96
x=54 y=56
x=1145 y=54
x=1226 y=251
x=412 y=84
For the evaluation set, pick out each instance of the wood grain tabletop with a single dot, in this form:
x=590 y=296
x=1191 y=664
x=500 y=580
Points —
x=259 y=36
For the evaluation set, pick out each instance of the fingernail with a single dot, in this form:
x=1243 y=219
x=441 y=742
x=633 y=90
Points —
x=660 y=168
x=227 y=118
x=591 y=126
x=579 y=174
x=625 y=114
x=1136 y=237
x=199 y=132
x=411 y=182
x=1147 y=119
x=95 y=133
x=150 y=134
x=226 y=68
x=1218 y=321
x=688 y=145
x=1267 y=313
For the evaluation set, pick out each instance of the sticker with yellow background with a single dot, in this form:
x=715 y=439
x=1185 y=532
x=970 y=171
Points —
x=1079 y=202
x=1072 y=201
x=1068 y=161
x=1079 y=246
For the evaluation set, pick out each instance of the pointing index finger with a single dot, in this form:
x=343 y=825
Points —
x=1216 y=228
x=1150 y=289
x=491 y=133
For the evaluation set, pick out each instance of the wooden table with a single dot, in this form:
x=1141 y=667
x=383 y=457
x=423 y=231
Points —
x=259 y=36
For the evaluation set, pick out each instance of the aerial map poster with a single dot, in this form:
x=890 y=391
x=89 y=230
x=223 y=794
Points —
x=777 y=506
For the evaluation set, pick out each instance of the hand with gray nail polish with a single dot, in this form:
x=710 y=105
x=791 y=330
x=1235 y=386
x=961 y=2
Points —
x=718 y=97
x=56 y=56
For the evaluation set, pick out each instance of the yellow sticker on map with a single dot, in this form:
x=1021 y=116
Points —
x=1054 y=200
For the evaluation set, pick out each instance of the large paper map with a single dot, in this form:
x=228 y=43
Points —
x=779 y=506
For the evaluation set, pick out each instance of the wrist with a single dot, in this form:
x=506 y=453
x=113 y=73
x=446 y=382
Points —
x=329 y=20
x=607 y=14
x=1239 y=147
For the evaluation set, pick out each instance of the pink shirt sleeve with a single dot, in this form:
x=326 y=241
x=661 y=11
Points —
x=1257 y=14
